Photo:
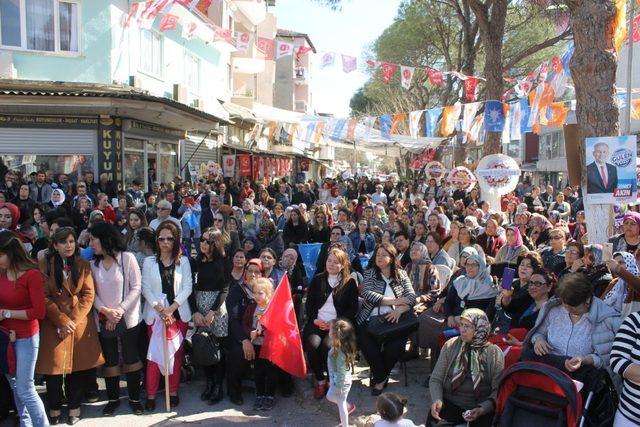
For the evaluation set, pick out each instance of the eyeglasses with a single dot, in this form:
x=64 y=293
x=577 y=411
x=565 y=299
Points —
x=464 y=326
x=537 y=284
x=164 y=209
x=166 y=239
x=473 y=264
x=219 y=220
x=555 y=237
x=203 y=240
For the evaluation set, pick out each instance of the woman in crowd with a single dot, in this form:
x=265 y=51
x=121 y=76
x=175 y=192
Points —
x=540 y=229
x=362 y=239
x=513 y=248
x=512 y=300
x=344 y=221
x=563 y=208
x=433 y=223
x=24 y=201
x=574 y=331
x=238 y=262
x=208 y=303
x=135 y=221
x=464 y=383
x=278 y=216
x=465 y=239
x=166 y=286
x=69 y=345
x=239 y=349
x=250 y=217
x=222 y=223
x=423 y=276
x=146 y=245
x=10 y=219
x=626 y=363
x=387 y=292
x=573 y=259
x=436 y=253
x=319 y=230
x=490 y=241
x=268 y=237
x=269 y=259
x=107 y=210
x=579 y=228
x=331 y=294
x=629 y=239
x=81 y=212
x=337 y=232
x=296 y=229
x=22 y=304
x=297 y=280
x=117 y=283
x=452 y=236
x=419 y=232
x=622 y=294
x=553 y=256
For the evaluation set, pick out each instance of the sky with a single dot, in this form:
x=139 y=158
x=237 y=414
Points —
x=349 y=31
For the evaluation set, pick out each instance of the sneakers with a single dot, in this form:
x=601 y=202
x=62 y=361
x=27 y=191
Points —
x=267 y=403
x=320 y=390
x=257 y=405
x=351 y=408
x=110 y=408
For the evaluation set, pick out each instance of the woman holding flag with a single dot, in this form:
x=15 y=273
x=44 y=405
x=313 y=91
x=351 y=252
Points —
x=166 y=286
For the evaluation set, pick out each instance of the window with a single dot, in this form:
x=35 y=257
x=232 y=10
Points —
x=191 y=72
x=40 y=25
x=150 y=53
x=229 y=77
x=71 y=165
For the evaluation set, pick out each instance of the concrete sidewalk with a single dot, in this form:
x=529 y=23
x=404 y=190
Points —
x=301 y=409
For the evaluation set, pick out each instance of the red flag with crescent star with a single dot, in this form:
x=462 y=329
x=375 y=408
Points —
x=282 y=344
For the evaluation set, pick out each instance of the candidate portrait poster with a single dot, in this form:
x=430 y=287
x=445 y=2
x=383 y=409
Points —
x=611 y=170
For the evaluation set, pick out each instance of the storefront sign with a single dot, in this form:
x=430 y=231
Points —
x=229 y=165
x=135 y=126
x=110 y=149
x=16 y=121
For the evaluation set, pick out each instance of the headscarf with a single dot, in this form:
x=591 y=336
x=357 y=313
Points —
x=469 y=355
x=541 y=221
x=62 y=197
x=287 y=212
x=446 y=222
x=473 y=220
x=597 y=250
x=285 y=267
x=424 y=252
x=15 y=213
x=554 y=215
x=635 y=216
x=478 y=287
x=522 y=207
x=416 y=275
x=616 y=296
x=511 y=249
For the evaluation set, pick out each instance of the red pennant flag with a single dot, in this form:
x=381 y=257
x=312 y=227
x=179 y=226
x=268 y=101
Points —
x=388 y=70
x=436 y=78
x=282 y=344
x=301 y=50
x=168 y=22
x=244 y=162
x=556 y=64
x=267 y=47
x=372 y=63
x=132 y=13
x=636 y=28
x=222 y=34
x=470 y=86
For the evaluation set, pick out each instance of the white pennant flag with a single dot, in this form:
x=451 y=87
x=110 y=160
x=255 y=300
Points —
x=468 y=114
x=414 y=123
x=516 y=119
x=243 y=40
x=327 y=60
x=506 y=131
x=283 y=49
x=406 y=74
x=189 y=30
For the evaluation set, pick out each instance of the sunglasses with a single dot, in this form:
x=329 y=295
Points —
x=166 y=239
x=203 y=240
x=219 y=220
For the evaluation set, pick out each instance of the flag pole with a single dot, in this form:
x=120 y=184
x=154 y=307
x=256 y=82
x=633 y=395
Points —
x=165 y=350
x=627 y=118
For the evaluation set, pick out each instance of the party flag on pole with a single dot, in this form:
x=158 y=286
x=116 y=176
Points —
x=385 y=126
x=302 y=50
x=266 y=46
x=414 y=123
x=243 y=40
x=436 y=78
x=494 y=116
x=388 y=70
x=283 y=49
x=406 y=76
x=431 y=121
x=470 y=88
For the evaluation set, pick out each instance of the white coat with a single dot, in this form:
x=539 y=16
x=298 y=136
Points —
x=152 y=288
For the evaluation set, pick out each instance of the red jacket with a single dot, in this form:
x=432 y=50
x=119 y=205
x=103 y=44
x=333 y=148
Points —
x=110 y=215
x=26 y=293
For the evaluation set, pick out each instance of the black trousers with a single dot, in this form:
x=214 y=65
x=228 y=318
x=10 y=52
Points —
x=237 y=367
x=452 y=415
x=6 y=397
x=131 y=365
x=215 y=373
x=380 y=357
x=316 y=345
x=72 y=387
x=265 y=376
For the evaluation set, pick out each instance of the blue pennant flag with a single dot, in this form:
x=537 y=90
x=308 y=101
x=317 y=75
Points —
x=385 y=126
x=337 y=129
x=494 y=116
x=431 y=121
x=525 y=113
x=310 y=128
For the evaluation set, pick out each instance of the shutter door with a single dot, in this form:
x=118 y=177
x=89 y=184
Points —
x=203 y=154
x=47 y=141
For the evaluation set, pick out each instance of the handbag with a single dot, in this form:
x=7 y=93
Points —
x=206 y=348
x=121 y=327
x=383 y=330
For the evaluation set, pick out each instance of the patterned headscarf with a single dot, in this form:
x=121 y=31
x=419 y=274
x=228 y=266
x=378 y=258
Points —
x=424 y=252
x=469 y=355
x=540 y=221
x=597 y=250
x=285 y=262
x=478 y=287
x=616 y=296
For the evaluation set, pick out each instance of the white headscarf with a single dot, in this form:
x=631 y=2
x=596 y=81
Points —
x=446 y=222
x=62 y=197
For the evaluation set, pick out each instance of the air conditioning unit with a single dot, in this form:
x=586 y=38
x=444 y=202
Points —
x=198 y=103
x=7 y=69
x=135 y=81
x=327 y=153
x=180 y=93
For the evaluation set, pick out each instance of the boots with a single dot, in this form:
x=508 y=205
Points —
x=208 y=389
x=216 y=394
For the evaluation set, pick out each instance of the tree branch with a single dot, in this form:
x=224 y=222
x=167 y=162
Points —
x=536 y=48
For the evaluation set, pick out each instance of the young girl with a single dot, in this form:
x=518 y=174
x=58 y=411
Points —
x=264 y=371
x=339 y=362
x=391 y=408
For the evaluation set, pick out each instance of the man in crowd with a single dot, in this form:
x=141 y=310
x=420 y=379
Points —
x=40 y=190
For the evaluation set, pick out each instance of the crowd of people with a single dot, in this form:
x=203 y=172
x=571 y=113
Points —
x=90 y=274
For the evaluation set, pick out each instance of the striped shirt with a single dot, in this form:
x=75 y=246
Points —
x=624 y=353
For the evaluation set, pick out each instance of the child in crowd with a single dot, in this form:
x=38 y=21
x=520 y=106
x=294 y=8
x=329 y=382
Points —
x=391 y=408
x=341 y=358
x=265 y=373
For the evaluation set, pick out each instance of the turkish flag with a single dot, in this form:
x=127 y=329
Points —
x=168 y=22
x=282 y=344
x=244 y=160
x=388 y=70
x=470 y=86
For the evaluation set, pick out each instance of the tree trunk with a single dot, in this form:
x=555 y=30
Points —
x=593 y=69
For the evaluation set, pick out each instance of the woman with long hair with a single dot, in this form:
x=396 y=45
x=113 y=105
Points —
x=268 y=237
x=69 y=345
x=209 y=309
x=387 y=292
x=117 y=281
x=135 y=221
x=331 y=294
x=22 y=304
x=319 y=230
x=363 y=240
x=166 y=286
x=296 y=229
x=231 y=238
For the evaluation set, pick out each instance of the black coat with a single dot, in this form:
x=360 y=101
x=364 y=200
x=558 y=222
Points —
x=295 y=234
x=237 y=302
x=345 y=302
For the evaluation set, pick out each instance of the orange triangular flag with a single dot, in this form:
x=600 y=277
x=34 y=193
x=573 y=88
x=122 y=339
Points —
x=450 y=115
x=398 y=119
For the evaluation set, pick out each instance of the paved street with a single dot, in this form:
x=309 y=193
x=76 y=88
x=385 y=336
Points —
x=299 y=410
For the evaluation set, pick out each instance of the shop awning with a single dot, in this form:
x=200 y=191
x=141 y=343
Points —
x=240 y=113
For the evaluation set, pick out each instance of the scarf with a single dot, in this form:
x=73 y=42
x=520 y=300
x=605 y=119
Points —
x=512 y=249
x=596 y=250
x=62 y=197
x=616 y=296
x=284 y=265
x=468 y=359
x=446 y=222
x=478 y=287
x=419 y=268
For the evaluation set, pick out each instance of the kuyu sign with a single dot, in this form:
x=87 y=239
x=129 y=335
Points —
x=435 y=170
x=497 y=175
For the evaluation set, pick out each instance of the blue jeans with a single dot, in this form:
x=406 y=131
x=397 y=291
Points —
x=30 y=407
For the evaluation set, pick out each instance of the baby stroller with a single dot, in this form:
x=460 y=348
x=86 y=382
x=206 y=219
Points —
x=533 y=393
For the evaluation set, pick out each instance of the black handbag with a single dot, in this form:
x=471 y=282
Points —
x=383 y=330
x=206 y=348
x=121 y=327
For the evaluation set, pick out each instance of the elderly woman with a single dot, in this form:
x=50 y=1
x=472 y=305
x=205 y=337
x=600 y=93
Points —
x=490 y=241
x=464 y=383
x=553 y=256
x=574 y=331
x=268 y=237
x=509 y=253
x=387 y=292
x=423 y=275
x=619 y=295
x=540 y=228
x=436 y=253
x=563 y=208
x=629 y=239
x=573 y=259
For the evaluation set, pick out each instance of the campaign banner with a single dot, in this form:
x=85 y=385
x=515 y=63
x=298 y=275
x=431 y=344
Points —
x=244 y=161
x=309 y=253
x=229 y=165
x=611 y=170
